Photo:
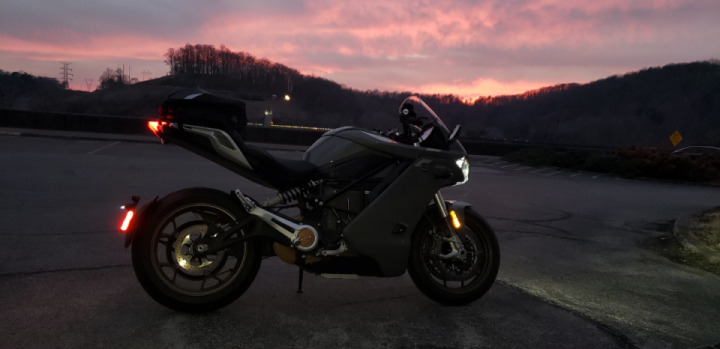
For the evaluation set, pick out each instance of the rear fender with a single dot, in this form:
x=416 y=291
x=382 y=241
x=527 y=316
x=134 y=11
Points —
x=139 y=220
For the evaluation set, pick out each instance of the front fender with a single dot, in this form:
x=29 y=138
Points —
x=139 y=219
x=459 y=208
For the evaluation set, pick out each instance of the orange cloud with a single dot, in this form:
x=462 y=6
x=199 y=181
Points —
x=482 y=88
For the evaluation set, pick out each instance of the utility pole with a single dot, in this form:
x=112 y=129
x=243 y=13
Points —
x=89 y=83
x=146 y=75
x=66 y=74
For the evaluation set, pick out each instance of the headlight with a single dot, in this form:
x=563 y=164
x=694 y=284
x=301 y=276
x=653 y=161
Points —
x=464 y=165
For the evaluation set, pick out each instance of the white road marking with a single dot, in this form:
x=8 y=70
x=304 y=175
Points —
x=9 y=133
x=103 y=148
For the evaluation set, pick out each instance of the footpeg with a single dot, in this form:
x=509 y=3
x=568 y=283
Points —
x=301 y=236
x=341 y=249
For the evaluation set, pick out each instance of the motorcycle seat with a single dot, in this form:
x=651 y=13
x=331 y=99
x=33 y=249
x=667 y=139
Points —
x=280 y=172
x=200 y=108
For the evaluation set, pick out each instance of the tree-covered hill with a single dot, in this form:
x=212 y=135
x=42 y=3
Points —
x=640 y=108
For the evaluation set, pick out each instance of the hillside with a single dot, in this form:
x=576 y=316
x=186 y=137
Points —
x=640 y=108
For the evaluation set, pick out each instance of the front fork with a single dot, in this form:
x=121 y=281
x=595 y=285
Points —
x=457 y=250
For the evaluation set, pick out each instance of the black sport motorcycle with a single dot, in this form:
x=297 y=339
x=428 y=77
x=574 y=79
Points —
x=366 y=203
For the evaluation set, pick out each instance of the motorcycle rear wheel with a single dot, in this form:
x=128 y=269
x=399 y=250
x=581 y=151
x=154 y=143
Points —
x=174 y=275
x=456 y=281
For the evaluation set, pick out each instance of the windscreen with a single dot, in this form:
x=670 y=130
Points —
x=416 y=116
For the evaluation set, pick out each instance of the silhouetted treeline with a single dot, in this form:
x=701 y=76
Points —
x=641 y=108
x=207 y=60
x=317 y=101
x=21 y=90
x=113 y=79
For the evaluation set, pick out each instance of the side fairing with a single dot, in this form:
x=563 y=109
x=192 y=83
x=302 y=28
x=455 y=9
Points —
x=337 y=146
x=340 y=156
x=383 y=230
x=345 y=143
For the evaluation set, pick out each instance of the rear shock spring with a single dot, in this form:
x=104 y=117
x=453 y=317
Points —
x=291 y=194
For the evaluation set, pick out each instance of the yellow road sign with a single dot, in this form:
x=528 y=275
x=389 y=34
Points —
x=676 y=138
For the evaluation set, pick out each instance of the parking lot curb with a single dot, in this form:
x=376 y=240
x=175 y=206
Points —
x=689 y=238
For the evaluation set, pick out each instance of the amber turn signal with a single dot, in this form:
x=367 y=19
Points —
x=455 y=220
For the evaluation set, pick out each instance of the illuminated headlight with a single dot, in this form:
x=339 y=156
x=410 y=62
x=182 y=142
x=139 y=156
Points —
x=464 y=165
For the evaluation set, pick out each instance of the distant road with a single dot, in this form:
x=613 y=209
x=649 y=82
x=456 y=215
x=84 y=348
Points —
x=577 y=266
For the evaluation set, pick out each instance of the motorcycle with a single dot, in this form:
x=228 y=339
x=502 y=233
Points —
x=367 y=203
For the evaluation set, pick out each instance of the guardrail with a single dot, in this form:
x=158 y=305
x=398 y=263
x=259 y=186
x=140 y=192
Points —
x=138 y=126
x=253 y=133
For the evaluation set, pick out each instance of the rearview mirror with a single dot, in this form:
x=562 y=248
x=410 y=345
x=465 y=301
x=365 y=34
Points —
x=454 y=135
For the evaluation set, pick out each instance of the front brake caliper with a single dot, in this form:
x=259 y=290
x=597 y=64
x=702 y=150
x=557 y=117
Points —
x=457 y=249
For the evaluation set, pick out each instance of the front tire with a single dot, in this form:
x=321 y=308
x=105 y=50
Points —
x=183 y=280
x=455 y=281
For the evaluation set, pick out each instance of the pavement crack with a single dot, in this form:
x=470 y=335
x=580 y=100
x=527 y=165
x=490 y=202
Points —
x=550 y=235
x=542 y=223
x=68 y=270
x=620 y=338
x=95 y=232
x=375 y=300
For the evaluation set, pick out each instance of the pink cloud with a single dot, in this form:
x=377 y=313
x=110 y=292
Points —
x=121 y=46
x=491 y=47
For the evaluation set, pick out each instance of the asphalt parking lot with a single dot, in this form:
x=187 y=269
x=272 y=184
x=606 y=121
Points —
x=576 y=270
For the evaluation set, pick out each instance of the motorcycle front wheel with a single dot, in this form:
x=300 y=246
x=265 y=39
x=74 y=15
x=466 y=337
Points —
x=166 y=262
x=456 y=280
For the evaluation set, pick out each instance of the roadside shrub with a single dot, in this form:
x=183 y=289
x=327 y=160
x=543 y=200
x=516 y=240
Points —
x=532 y=157
x=663 y=164
x=570 y=159
x=628 y=168
x=630 y=162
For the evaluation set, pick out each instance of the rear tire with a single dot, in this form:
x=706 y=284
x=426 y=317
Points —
x=454 y=281
x=171 y=273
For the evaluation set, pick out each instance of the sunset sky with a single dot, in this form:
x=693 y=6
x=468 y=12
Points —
x=468 y=48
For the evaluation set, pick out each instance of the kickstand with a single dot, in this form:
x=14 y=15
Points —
x=300 y=279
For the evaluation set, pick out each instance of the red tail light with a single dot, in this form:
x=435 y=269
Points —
x=128 y=219
x=129 y=213
x=156 y=126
